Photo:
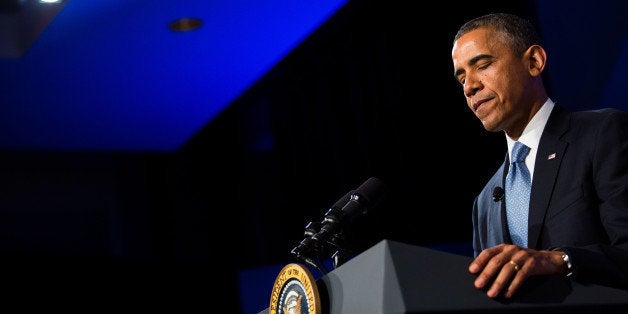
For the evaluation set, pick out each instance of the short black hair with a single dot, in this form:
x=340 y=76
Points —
x=519 y=33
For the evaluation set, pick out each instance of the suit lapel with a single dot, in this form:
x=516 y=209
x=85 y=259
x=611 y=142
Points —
x=502 y=204
x=548 y=159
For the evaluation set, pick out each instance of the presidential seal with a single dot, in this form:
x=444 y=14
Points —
x=295 y=292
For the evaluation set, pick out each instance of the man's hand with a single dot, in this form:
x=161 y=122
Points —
x=508 y=266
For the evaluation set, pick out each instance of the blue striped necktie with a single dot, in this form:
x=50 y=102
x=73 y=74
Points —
x=518 y=195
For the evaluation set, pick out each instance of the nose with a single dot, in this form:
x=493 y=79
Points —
x=471 y=85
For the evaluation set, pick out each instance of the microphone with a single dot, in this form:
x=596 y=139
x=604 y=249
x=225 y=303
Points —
x=498 y=194
x=312 y=228
x=359 y=200
x=353 y=203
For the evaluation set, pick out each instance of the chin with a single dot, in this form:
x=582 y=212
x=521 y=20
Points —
x=489 y=127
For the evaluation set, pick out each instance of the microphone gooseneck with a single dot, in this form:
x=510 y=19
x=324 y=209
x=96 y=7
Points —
x=329 y=237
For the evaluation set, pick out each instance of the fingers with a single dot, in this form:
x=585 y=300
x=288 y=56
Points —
x=504 y=265
x=480 y=262
x=500 y=275
x=498 y=255
x=514 y=265
x=509 y=279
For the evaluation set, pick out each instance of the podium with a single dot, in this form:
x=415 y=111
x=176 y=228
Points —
x=394 y=277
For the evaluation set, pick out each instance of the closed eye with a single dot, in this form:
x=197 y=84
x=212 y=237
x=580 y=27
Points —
x=484 y=65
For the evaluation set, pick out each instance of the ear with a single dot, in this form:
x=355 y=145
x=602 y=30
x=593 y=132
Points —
x=536 y=58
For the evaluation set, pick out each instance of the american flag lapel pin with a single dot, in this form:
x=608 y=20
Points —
x=551 y=156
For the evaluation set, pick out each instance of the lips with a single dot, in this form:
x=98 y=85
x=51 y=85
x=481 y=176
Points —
x=477 y=104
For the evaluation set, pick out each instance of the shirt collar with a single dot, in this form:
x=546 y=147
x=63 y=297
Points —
x=531 y=135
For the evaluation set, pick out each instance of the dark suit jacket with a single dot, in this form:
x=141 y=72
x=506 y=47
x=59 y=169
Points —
x=579 y=196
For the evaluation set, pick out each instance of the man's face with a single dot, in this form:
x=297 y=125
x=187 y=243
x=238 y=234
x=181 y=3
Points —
x=493 y=78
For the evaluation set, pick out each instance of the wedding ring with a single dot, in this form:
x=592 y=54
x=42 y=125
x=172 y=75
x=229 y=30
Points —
x=514 y=265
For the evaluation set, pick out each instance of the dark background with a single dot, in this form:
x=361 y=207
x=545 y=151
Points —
x=371 y=93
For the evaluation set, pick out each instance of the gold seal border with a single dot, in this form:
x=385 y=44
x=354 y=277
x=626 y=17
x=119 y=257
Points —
x=303 y=275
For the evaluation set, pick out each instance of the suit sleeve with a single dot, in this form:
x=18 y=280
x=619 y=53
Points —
x=608 y=263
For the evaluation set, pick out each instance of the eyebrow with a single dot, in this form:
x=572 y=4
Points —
x=473 y=61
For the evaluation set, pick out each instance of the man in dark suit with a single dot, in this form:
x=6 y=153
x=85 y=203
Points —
x=574 y=216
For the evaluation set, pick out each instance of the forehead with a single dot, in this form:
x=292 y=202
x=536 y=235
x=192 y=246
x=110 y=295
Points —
x=481 y=41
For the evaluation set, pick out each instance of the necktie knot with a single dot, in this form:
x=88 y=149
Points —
x=519 y=152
